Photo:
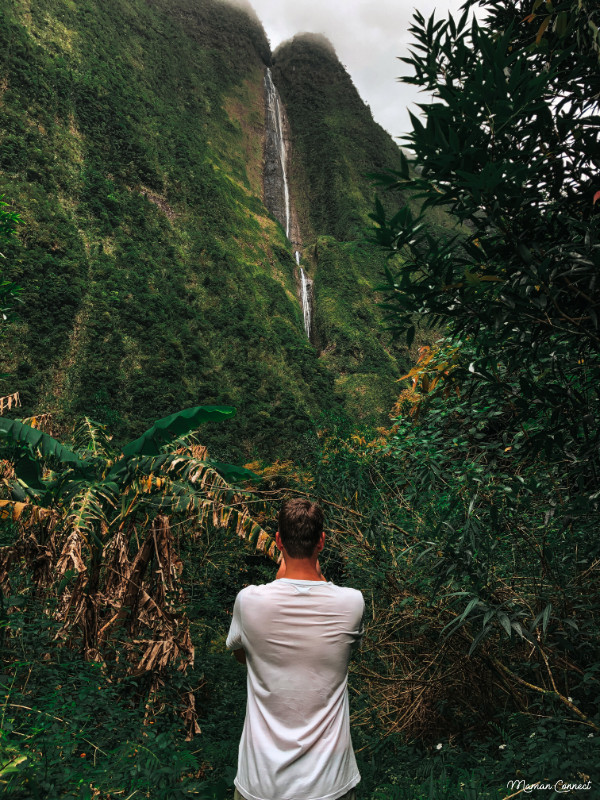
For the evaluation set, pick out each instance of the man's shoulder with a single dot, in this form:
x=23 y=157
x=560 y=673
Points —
x=344 y=597
x=255 y=587
x=262 y=589
x=253 y=590
x=248 y=591
x=352 y=597
x=348 y=591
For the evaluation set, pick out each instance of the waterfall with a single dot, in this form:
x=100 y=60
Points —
x=306 y=284
x=275 y=128
x=305 y=296
x=277 y=192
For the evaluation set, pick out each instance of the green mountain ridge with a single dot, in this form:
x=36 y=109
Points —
x=154 y=278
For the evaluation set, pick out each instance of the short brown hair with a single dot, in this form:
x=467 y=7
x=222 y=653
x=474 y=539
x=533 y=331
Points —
x=300 y=527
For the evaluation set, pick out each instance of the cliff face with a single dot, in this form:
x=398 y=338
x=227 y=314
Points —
x=336 y=145
x=132 y=143
x=336 y=141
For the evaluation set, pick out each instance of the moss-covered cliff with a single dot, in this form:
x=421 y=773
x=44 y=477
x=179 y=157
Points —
x=336 y=141
x=154 y=278
x=336 y=147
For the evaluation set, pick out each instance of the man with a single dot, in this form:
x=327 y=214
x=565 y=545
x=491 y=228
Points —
x=296 y=635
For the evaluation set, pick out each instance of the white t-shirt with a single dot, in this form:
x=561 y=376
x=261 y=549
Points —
x=298 y=636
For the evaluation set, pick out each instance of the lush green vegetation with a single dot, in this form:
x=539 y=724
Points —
x=429 y=720
x=101 y=569
x=470 y=524
x=153 y=277
x=497 y=436
x=9 y=291
x=336 y=146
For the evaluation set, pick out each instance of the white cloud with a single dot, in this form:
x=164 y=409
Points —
x=368 y=36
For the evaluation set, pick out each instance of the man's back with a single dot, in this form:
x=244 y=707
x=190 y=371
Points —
x=298 y=636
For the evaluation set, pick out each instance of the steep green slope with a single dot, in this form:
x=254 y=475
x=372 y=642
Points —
x=153 y=277
x=131 y=142
x=336 y=145
x=336 y=141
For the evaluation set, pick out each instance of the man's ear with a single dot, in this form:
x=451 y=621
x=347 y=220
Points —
x=278 y=541
x=321 y=542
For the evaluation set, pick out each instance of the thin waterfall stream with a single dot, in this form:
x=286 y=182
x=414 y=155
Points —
x=275 y=127
x=277 y=192
x=306 y=296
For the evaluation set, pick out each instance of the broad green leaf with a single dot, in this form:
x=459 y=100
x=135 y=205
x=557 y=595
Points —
x=17 y=432
x=28 y=470
x=178 y=424
x=232 y=473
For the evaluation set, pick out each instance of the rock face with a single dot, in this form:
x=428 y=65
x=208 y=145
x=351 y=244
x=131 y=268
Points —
x=277 y=145
x=278 y=196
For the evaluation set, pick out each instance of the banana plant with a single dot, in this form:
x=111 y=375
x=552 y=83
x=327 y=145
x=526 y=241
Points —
x=86 y=504
x=96 y=486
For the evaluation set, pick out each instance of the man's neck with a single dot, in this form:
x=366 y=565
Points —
x=302 y=569
x=303 y=576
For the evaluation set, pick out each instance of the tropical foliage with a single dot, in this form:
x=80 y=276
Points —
x=90 y=522
x=495 y=442
x=470 y=523
x=509 y=146
x=9 y=291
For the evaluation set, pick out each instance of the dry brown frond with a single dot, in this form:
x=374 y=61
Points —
x=70 y=557
x=43 y=422
x=116 y=575
x=190 y=716
x=9 y=401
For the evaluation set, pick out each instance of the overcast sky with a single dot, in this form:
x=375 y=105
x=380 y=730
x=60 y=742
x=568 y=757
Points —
x=368 y=35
